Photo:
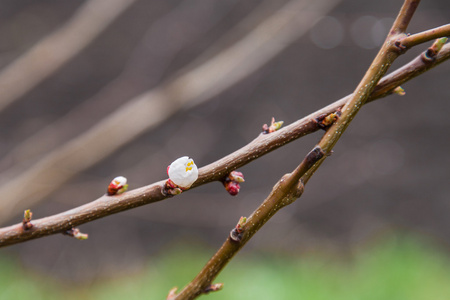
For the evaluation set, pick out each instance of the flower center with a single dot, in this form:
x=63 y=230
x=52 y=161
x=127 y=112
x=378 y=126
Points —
x=189 y=165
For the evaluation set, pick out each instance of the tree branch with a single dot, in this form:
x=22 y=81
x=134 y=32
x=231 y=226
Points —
x=285 y=192
x=282 y=193
x=404 y=17
x=262 y=145
x=195 y=84
x=425 y=36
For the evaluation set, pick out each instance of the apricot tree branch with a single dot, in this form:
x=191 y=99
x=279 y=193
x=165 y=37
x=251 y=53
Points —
x=285 y=192
x=404 y=17
x=425 y=36
x=388 y=53
x=196 y=84
x=263 y=144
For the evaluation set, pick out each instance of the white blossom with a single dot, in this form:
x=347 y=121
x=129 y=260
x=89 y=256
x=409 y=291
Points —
x=117 y=186
x=183 y=172
x=119 y=181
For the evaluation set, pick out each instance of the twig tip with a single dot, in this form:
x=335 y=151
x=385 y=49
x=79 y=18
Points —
x=172 y=293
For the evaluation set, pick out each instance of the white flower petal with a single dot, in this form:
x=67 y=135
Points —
x=183 y=172
x=120 y=181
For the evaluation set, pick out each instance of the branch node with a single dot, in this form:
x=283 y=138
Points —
x=26 y=222
x=237 y=232
x=326 y=120
x=314 y=155
x=75 y=233
x=432 y=52
x=213 y=288
x=231 y=182
x=274 y=126
x=235 y=235
x=170 y=189
x=399 y=47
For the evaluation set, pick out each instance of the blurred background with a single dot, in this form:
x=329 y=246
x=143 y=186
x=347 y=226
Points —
x=99 y=88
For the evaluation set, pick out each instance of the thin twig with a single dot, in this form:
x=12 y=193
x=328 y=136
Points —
x=263 y=144
x=425 y=36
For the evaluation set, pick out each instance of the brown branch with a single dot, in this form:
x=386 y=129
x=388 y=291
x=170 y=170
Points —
x=195 y=84
x=404 y=17
x=425 y=36
x=262 y=145
x=389 y=51
x=285 y=192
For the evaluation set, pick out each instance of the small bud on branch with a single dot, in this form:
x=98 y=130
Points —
x=238 y=230
x=26 y=222
x=240 y=224
x=326 y=120
x=213 y=288
x=236 y=176
x=274 y=126
x=231 y=182
x=117 y=186
x=399 y=91
x=75 y=232
x=434 y=50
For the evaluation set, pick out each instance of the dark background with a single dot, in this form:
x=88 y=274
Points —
x=389 y=172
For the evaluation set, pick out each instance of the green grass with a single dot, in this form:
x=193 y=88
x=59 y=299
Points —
x=392 y=270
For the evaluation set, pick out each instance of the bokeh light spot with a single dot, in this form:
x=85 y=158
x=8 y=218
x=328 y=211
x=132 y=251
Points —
x=328 y=33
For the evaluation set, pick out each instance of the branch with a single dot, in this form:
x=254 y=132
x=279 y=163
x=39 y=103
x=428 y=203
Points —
x=196 y=84
x=285 y=192
x=425 y=36
x=262 y=145
x=404 y=17
x=389 y=51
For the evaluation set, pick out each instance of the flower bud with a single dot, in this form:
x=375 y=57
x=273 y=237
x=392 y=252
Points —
x=117 y=186
x=174 y=191
x=274 y=126
x=75 y=232
x=236 y=176
x=27 y=215
x=399 y=91
x=183 y=172
x=240 y=224
x=232 y=187
x=26 y=222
